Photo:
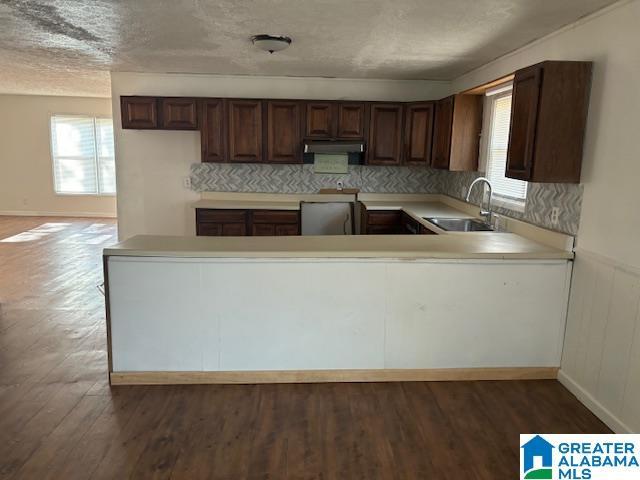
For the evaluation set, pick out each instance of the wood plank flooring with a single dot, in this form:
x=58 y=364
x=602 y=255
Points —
x=60 y=420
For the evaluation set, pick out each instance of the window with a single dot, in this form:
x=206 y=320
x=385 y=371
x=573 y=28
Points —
x=510 y=192
x=82 y=154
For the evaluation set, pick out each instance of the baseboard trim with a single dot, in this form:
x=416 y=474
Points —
x=20 y=213
x=332 y=376
x=589 y=401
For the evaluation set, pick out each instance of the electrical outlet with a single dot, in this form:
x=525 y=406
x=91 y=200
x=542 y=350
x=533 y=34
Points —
x=186 y=182
x=463 y=192
x=555 y=215
x=339 y=185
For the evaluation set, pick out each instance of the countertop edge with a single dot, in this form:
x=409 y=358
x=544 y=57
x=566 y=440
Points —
x=340 y=255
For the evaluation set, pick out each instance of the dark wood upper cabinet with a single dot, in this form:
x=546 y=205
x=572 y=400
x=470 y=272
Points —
x=335 y=120
x=548 y=121
x=319 y=120
x=443 y=122
x=385 y=134
x=212 y=133
x=245 y=130
x=139 y=112
x=179 y=113
x=456 y=132
x=418 y=133
x=284 y=139
x=524 y=114
x=350 y=120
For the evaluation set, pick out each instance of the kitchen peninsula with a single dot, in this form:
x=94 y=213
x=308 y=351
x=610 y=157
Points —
x=338 y=308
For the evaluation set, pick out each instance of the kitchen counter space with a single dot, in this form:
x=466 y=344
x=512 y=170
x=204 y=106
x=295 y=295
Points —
x=460 y=246
x=338 y=307
x=266 y=201
x=247 y=205
x=419 y=210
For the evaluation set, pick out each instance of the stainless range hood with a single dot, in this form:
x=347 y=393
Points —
x=333 y=146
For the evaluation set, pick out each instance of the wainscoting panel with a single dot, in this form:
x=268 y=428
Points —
x=601 y=359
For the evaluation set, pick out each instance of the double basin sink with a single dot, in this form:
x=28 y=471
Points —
x=460 y=224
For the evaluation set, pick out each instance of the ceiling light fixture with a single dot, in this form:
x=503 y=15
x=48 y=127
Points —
x=271 y=43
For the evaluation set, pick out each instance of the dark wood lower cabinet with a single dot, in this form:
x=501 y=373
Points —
x=221 y=222
x=240 y=223
x=412 y=227
x=390 y=222
x=381 y=222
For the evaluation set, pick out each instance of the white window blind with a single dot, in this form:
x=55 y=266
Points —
x=82 y=155
x=509 y=188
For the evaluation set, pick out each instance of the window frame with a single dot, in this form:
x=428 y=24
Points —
x=497 y=92
x=95 y=155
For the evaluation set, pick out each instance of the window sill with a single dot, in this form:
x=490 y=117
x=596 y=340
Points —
x=509 y=203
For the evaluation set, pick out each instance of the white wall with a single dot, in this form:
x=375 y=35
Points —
x=26 y=174
x=602 y=356
x=151 y=165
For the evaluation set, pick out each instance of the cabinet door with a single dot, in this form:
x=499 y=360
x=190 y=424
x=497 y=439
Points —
x=524 y=115
x=319 y=121
x=212 y=132
x=179 y=113
x=139 y=112
x=284 y=141
x=208 y=229
x=263 y=229
x=381 y=222
x=385 y=134
x=245 y=131
x=234 y=230
x=418 y=131
x=442 y=133
x=287 y=230
x=351 y=118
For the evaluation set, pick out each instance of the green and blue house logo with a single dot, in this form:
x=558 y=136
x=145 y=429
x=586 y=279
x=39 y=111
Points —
x=537 y=459
x=580 y=456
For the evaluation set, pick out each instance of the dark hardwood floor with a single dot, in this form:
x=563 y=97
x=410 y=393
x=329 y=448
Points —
x=60 y=420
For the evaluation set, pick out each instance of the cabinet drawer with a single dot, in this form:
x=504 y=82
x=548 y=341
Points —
x=221 y=216
x=285 y=230
x=275 y=216
x=263 y=229
x=384 y=218
x=234 y=230
x=383 y=229
x=209 y=229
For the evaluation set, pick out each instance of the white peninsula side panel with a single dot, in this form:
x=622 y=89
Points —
x=202 y=314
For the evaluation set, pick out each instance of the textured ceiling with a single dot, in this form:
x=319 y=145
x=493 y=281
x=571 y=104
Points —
x=67 y=47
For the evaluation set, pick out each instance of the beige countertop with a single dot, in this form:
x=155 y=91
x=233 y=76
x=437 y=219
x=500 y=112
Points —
x=467 y=246
x=247 y=204
x=446 y=245
x=420 y=210
x=266 y=201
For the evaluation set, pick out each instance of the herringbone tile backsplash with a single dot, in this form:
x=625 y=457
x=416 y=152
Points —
x=541 y=197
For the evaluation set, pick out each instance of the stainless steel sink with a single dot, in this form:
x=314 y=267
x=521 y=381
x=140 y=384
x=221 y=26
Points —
x=460 y=224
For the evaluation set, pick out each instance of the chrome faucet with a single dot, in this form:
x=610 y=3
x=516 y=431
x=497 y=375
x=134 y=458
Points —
x=484 y=213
